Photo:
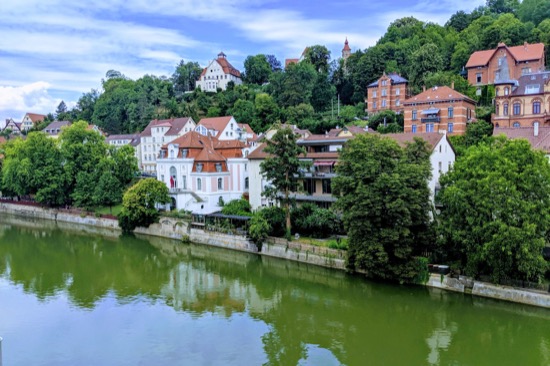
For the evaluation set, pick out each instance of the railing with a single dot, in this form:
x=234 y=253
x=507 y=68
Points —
x=431 y=119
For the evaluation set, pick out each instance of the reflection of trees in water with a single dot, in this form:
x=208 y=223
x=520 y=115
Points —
x=358 y=321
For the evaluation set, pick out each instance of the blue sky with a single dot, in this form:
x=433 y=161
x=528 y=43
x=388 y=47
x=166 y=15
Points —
x=53 y=50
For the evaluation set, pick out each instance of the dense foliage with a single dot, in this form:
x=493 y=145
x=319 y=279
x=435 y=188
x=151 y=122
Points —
x=385 y=200
x=139 y=204
x=496 y=211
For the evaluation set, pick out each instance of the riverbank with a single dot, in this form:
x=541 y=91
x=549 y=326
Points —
x=174 y=228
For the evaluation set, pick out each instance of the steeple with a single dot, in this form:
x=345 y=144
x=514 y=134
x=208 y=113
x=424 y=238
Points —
x=221 y=55
x=346 y=51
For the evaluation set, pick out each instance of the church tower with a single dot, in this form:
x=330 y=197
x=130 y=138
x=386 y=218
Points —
x=346 y=51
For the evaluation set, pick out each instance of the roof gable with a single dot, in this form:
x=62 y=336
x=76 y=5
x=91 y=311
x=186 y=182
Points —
x=525 y=52
x=438 y=94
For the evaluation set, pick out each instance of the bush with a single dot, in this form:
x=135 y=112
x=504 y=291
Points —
x=323 y=223
x=275 y=216
x=259 y=229
x=240 y=207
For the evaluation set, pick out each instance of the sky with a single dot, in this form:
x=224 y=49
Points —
x=53 y=50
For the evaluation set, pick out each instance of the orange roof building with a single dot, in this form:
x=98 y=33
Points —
x=218 y=74
x=505 y=63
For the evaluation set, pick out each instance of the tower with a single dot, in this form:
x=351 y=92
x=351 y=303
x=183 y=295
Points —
x=346 y=51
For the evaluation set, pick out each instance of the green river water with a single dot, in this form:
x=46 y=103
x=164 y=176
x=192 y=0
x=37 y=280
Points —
x=74 y=295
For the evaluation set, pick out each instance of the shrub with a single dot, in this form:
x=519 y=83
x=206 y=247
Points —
x=275 y=216
x=259 y=229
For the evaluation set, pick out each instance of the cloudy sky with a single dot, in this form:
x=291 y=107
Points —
x=53 y=50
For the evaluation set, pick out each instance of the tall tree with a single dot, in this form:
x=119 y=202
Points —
x=257 y=69
x=61 y=111
x=186 y=76
x=282 y=168
x=319 y=57
x=273 y=63
x=496 y=215
x=385 y=200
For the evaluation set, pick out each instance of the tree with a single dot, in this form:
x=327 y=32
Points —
x=385 y=201
x=459 y=21
x=257 y=69
x=423 y=61
x=240 y=207
x=502 y=6
x=273 y=63
x=86 y=104
x=496 y=213
x=319 y=57
x=324 y=92
x=282 y=168
x=258 y=229
x=534 y=11
x=139 y=204
x=384 y=119
x=294 y=86
x=243 y=111
x=296 y=114
x=185 y=76
x=267 y=112
x=61 y=111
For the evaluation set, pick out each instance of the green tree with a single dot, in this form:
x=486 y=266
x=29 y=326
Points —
x=282 y=168
x=319 y=57
x=296 y=114
x=294 y=86
x=258 y=229
x=240 y=207
x=423 y=61
x=267 y=112
x=185 y=76
x=139 y=204
x=243 y=111
x=534 y=11
x=85 y=105
x=257 y=69
x=61 y=112
x=384 y=198
x=273 y=63
x=496 y=212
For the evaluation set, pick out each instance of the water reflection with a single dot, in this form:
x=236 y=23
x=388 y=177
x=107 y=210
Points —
x=311 y=315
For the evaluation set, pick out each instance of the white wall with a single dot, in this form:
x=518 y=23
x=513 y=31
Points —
x=441 y=160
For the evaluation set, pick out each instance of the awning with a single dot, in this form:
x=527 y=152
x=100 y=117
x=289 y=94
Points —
x=431 y=111
x=324 y=162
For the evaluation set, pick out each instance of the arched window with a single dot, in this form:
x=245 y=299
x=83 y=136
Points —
x=505 y=109
x=516 y=125
x=497 y=109
x=517 y=108
x=246 y=183
x=536 y=107
x=199 y=184
x=173 y=179
x=506 y=91
x=220 y=184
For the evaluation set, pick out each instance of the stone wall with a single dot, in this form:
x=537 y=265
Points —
x=506 y=293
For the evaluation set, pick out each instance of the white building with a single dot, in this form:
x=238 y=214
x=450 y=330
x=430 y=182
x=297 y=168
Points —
x=30 y=120
x=158 y=133
x=225 y=128
x=217 y=74
x=133 y=140
x=199 y=170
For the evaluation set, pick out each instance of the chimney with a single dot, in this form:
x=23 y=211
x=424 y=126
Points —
x=453 y=85
x=535 y=129
x=423 y=88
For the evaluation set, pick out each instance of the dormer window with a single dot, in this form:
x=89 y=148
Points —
x=184 y=153
x=199 y=167
x=218 y=167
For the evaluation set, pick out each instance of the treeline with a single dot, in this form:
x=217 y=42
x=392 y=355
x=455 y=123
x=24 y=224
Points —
x=307 y=93
x=78 y=169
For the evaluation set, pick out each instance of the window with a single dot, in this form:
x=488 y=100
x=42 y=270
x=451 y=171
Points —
x=184 y=153
x=327 y=189
x=309 y=186
x=450 y=127
x=516 y=125
x=478 y=77
x=505 y=109
x=450 y=112
x=413 y=129
x=497 y=107
x=199 y=184
x=374 y=94
x=383 y=102
x=246 y=165
x=517 y=109
x=397 y=91
x=373 y=105
x=532 y=89
x=384 y=92
x=525 y=70
x=506 y=91
x=536 y=107
x=384 y=82
x=397 y=102
x=218 y=167
x=429 y=127
x=173 y=179
x=414 y=115
x=220 y=184
x=199 y=167
x=184 y=182
x=246 y=183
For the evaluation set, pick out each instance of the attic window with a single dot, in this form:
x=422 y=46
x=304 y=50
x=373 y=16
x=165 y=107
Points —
x=218 y=167
x=532 y=89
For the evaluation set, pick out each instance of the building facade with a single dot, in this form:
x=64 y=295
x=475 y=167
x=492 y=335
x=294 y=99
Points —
x=438 y=109
x=387 y=93
x=217 y=74
x=158 y=133
x=30 y=120
x=54 y=129
x=201 y=171
x=504 y=63
x=225 y=128
x=523 y=102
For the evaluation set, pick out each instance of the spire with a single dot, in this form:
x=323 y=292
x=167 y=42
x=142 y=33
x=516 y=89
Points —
x=346 y=46
x=221 y=55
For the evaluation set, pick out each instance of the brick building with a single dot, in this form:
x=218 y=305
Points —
x=504 y=63
x=387 y=93
x=438 y=109
x=523 y=102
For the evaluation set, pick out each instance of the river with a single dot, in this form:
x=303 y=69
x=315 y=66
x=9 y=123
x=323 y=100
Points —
x=73 y=295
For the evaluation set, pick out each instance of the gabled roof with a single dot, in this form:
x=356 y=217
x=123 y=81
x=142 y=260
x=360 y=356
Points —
x=56 y=125
x=215 y=123
x=540 y=142
x=532 y=80
x=209 y=154
x=402 y=139
x=438 y=94
x=525 y=52
x=175 y=124
x=225 y=65
x=395 y=79
x=35 y=117
x=193 y=140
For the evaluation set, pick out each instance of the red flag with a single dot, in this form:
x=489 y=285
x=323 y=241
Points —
x=172 y=182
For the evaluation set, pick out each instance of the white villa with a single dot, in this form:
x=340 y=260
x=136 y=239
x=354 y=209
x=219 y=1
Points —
x=158 y=133
x=217 y=74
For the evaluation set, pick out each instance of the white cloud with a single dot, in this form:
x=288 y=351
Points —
x=16 y=101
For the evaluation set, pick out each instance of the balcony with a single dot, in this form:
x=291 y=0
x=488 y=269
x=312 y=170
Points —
x=431 y=119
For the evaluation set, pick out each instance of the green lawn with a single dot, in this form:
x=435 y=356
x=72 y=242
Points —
x=104 y=210
x=328 y=243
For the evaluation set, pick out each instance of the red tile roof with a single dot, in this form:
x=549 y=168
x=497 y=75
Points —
x=35 y=117
x=346 y=46
x=193 y=139
x=438 y=94
x=215 y=123
x=209 y=154
x=540 y=142
x=290 y=61
x=175 y=124
x=525 y=52
x=402 y=139
x=226 y=66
